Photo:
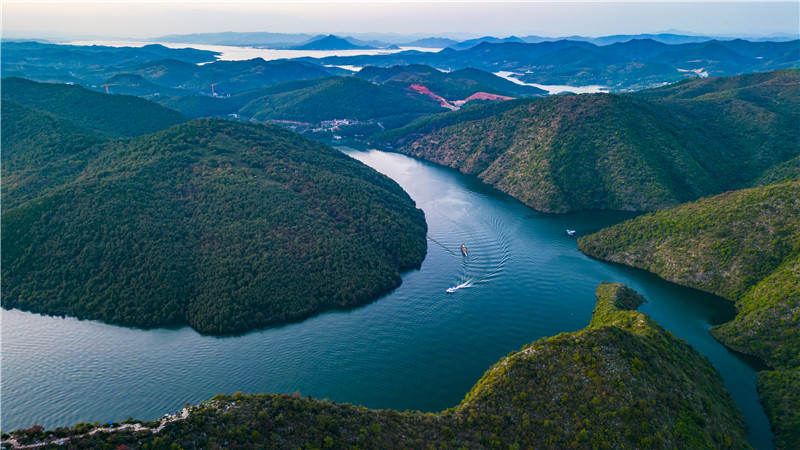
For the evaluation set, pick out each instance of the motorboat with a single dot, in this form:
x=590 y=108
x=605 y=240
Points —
x=463 y=249
x=571 y=232
x=451 y=289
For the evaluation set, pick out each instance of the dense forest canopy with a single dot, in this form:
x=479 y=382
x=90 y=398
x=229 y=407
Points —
x=742 y=245
x=642 y=151
x=220 y=225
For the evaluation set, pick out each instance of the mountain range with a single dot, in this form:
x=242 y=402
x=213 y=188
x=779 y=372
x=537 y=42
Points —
x=630 y=65
x=286 y=40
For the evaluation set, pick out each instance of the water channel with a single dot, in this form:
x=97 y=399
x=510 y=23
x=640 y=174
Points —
x=416 y=348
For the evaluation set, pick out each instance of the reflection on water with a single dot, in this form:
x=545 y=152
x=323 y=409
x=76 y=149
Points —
x=416 y=348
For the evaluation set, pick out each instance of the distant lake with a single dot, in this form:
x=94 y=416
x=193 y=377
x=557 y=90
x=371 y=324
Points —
x=416 y=348
x=235 y=53
x=553 y=88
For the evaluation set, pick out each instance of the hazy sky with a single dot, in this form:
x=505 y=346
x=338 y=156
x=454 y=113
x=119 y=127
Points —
x=151 y=19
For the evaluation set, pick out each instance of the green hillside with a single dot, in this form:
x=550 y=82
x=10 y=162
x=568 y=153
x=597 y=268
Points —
x=455 y=85
x=40 y=151
x=222 y=226
x=622 y=382
x=115 y=115
x=51 y=131
x=311 y=101
x=744 y=246
x=609 y=151
x=336 y=97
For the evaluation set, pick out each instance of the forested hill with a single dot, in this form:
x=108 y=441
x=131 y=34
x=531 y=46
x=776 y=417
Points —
x=312 y=101
x=455 y=85
x=51 y=131
x=742 y=245
x=219 y=225
x=114 y=115
x=610 y=151
x=622 y=382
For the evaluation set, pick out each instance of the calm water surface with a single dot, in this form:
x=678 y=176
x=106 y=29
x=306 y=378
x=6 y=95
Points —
x=237 y=53
x=416 y=348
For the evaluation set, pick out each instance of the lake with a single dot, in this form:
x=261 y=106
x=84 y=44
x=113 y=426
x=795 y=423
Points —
x=236 y=53
x=416 y=348
x=553 y=88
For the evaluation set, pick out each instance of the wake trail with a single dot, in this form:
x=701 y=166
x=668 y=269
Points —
x=444 y=247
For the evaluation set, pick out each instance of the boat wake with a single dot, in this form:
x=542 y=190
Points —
x=454 y=288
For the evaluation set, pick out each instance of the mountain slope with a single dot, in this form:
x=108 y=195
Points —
x=222 y=226
x=642 y=152
x=114 y=115
x=51 y=131
x=621 y=382
x=455 y=85
x=568 y=153
x=41 y=151
x=334 y=97
x=742 y=245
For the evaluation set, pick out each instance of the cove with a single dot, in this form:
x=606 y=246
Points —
x=416 y=348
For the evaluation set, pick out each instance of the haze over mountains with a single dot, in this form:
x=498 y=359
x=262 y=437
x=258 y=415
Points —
x=287 y=40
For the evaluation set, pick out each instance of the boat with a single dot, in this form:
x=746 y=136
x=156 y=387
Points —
x=571 y=232
x=451 y=289
x=463 y=249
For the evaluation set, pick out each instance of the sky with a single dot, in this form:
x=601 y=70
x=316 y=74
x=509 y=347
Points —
x=139 y=20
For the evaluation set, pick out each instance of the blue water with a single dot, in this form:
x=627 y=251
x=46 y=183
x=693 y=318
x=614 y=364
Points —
x=416 y=348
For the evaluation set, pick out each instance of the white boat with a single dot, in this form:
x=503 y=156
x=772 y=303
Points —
x=451 y=289
x=571 y=232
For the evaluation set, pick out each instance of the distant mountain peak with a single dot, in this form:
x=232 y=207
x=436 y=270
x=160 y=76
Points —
x=329 y=42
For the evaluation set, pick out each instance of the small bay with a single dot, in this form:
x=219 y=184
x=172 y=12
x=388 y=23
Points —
x=416 y=348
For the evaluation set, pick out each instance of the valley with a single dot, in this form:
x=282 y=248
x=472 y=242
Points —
x=179 y=234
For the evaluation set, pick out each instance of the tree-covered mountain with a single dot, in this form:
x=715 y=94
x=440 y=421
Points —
x=744 y=246
x=634 y=64
x=621 y=382
x=312 y=101
x=456 y=85
x=220 y=225
x=335 y=97
x=86 y=63
x=610 y=151
x=150 y=70
x=220 y=78
x=231 y=77
x=113 y=115
x=51 y=131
